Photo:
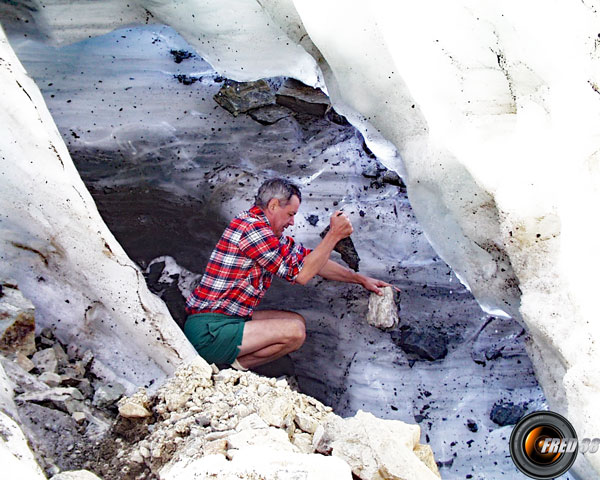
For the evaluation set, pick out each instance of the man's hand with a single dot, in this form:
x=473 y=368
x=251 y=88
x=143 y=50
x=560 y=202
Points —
x=340 y=226
x=372 y=284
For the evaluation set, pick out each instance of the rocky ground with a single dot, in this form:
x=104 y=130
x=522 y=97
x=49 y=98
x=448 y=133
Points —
x=203 y=420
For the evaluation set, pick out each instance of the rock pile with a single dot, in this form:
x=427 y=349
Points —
x=202 y=423
x=60 y=401
x=241 y=425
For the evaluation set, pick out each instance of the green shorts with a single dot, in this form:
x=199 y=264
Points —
x=216 y=337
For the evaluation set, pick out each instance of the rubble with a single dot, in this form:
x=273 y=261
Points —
x=52 y=398
x=202 y=420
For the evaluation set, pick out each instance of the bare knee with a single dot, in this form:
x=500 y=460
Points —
x=297 y=333
x=289 y=315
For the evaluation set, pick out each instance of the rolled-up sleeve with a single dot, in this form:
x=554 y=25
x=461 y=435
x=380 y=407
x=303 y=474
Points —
x=282 y=257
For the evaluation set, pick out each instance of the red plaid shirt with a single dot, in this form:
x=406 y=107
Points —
x=242 y=265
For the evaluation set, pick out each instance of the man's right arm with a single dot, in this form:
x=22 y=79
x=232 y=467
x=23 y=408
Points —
x=339 y=228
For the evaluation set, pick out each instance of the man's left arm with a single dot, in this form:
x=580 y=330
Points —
x=334 y=271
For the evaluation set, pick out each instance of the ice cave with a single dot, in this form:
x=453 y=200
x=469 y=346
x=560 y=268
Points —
x=462 y=138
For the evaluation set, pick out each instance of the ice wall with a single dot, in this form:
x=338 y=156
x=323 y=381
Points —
x=495 y=109
x=55 y=245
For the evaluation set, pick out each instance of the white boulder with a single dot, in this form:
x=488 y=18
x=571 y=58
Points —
x=383 y=312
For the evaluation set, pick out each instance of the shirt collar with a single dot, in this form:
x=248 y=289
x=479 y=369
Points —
x=258 y=212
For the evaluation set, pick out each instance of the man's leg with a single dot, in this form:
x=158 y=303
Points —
x=269 y=335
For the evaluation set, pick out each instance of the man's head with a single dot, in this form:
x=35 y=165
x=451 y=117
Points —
x=280 y=199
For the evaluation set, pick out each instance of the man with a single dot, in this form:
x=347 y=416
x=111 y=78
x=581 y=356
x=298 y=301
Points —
x=222 y=323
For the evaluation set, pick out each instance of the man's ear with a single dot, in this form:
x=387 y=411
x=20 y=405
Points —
x=272 y=204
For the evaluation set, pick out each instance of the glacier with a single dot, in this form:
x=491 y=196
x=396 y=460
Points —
x=493 y=110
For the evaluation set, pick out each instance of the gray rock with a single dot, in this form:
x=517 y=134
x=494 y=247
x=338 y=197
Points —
x=24 y=382
x=426 y=345
x=61 y=356
x=73 y=352
x=48 y=334
x=392 y=178
x=73 y=406
x=345 y=247
x=108 y=394
x=17 y=322
x=372 y=170
x=507 y=413
x=74 y=370
x=45 y=360
x=382 y=175
x=79 y=417
x=81 y=384
x=270 y=114
x=51 y=379
x=240 y=97
x=303 y=99
x=45 y=342
x=58 y=397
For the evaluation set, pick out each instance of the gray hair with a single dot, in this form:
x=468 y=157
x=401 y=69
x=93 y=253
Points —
x=278 y=188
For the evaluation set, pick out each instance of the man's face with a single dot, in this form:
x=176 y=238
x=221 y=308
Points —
x=282 y=217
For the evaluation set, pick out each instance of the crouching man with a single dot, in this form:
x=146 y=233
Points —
x=222 y=324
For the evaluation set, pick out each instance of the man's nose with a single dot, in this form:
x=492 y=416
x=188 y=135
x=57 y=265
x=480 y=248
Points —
x=291 y=222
